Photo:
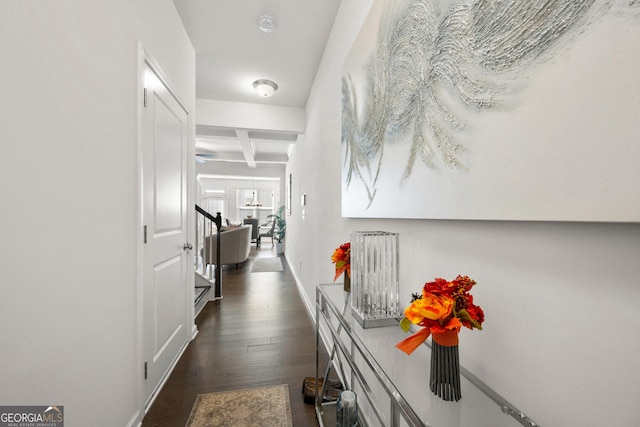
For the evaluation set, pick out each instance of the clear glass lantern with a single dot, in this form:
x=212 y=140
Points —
x=374 y=278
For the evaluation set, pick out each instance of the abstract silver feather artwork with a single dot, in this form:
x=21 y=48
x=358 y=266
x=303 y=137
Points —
x=435 y=63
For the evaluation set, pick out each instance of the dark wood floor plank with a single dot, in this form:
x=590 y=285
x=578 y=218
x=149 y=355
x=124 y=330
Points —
x=259 y=334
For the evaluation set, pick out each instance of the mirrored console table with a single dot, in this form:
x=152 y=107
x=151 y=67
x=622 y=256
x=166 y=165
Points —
x=392 y=388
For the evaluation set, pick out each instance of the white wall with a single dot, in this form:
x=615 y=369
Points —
x=250 y=116
x=230 y=187
x=233 y=171
x=69 y=184
x=560 y=340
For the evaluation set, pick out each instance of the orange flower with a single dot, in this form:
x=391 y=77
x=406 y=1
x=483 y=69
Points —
x=429 y=307
x=342 y=259
x=440 y=286
x=442 y=310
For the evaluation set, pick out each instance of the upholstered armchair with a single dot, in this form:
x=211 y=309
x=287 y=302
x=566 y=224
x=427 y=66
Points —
x=235 y=245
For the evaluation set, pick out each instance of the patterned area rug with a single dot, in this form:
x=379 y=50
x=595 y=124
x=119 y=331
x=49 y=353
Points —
x=265 y=265
x=256 y=407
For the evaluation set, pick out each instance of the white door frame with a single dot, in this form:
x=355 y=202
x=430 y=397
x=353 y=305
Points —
x=145 y=59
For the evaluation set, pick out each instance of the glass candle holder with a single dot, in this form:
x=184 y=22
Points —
x=374 y=278
x=347 y=410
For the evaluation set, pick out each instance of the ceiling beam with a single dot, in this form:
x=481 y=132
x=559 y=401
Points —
x=247 y=147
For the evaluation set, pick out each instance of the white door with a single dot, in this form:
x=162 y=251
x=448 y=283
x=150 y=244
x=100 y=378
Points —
x=165 y=258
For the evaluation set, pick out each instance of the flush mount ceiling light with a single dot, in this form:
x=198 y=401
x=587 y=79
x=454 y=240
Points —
x=267 y=23
x=265 y=87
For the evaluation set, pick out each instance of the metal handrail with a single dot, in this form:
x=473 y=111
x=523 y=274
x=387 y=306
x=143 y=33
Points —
x=203 y=258
x=206 y=214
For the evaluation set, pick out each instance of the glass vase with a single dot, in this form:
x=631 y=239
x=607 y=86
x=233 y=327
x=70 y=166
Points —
x=374 y=278
x=444 y=380
x=347 y=410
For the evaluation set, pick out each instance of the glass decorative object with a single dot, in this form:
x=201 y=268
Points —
x=374 y=278
x=347 y=410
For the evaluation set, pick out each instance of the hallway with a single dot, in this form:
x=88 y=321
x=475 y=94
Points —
x=259 y=334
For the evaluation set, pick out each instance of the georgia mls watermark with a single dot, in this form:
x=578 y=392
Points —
x=32 y=416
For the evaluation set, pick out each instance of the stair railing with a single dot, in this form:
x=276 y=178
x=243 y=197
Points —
x=204 y=261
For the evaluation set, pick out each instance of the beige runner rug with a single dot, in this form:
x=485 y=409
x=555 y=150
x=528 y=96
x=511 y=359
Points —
x=261 y=265
x=256 y=407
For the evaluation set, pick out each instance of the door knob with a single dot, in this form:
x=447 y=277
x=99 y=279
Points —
x=187 y=246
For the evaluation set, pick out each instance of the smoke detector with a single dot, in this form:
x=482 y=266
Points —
x=267 y=23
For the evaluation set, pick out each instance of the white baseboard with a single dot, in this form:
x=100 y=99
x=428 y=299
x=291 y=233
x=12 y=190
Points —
x=165 y=378
x=325 y=337
x=135 y=420
x=310 y=306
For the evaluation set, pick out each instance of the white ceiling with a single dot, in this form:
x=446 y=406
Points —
x=232 y=52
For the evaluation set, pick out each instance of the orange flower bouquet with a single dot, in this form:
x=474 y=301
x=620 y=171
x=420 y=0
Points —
x=442 y=309
x=342 y=259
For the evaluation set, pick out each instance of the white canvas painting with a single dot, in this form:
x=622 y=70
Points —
x=522 y=110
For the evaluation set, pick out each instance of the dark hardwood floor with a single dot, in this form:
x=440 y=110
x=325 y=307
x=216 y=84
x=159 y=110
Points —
x=259 y=334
